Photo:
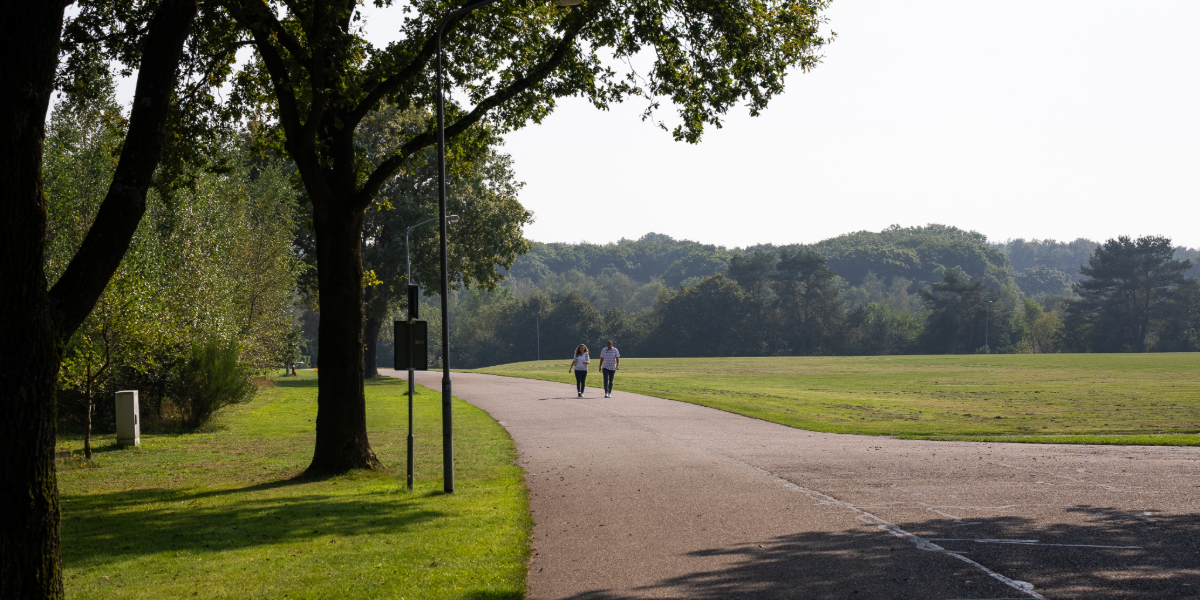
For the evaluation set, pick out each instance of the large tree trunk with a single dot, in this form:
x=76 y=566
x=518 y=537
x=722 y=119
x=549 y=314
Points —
x=30 y=563
x=371 y=346
x=36 y=320
x=341 y=405
x=371 y=324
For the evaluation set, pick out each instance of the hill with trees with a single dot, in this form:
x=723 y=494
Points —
x=914 y=253
x=931 y=289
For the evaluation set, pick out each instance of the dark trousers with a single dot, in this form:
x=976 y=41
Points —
x=608 y=379
x=580 y=379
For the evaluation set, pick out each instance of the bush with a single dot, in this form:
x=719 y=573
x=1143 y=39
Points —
x=209 y=381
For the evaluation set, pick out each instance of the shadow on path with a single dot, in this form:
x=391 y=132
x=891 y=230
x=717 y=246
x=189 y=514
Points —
x=1160 y=559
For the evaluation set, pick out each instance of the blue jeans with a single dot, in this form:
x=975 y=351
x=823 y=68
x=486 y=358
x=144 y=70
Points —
x=580 y=378
x=608 y=379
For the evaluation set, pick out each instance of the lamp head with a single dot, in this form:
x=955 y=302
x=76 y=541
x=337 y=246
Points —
x=569 y=2
x=452 y=217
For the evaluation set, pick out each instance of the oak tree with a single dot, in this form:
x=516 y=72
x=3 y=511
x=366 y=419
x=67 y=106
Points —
x=317 y=77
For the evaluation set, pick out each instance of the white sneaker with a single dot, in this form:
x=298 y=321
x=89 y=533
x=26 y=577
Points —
x=580 y=394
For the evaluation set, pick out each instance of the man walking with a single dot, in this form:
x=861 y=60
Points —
x=610 y=361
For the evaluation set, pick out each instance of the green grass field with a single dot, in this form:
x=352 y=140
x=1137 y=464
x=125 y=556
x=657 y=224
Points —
x=1064 y=398
x=219 y=515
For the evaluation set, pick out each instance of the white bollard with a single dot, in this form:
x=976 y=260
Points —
x=128 y=429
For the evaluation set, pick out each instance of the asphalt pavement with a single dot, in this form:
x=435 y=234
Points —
x=641 y=497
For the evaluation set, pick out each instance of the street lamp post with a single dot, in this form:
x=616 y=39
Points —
x=987 y=326
x=407 y=260
x=411 y=313
x=447 y=416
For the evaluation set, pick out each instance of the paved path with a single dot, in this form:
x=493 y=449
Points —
x=640 y=497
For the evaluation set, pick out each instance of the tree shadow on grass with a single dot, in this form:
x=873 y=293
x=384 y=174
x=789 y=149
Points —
x=100 y=448
x=490 y=595
x=101 y=528
x=296 y=383
x=1112 y=554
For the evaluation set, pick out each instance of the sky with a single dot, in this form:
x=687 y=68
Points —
x=1035 y=119
x=1049 y=119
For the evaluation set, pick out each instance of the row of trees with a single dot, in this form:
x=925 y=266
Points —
x=1036 y=267
x=208 y=281
x=1133 y=297
x=1050 y=267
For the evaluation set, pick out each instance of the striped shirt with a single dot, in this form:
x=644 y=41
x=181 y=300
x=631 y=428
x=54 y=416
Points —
x=608 y=358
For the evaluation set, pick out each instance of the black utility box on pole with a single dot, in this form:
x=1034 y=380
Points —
x=414 y=301
x=419 y=333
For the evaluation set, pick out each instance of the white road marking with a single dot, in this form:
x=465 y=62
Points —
x=863 y=516
x=884 y=525
x=1105 y=486
x=1029 y=543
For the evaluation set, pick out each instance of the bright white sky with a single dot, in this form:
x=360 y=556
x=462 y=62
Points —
x=1016 y=118
x=1057 y=119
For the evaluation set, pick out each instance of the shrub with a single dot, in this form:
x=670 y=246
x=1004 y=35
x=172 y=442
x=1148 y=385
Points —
x=209 y=381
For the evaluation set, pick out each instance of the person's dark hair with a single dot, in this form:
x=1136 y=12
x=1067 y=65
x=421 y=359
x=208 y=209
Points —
x=580 y=349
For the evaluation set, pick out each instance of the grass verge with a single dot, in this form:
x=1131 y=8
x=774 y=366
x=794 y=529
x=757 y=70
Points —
x=220 y=515
x=1133 y=399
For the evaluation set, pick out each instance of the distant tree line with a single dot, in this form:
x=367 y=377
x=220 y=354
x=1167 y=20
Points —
x=917 y=290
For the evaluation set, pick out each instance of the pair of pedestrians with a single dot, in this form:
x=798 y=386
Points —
x=610 y=361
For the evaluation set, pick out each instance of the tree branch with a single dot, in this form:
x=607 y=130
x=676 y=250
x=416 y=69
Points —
x=379 y=89
x=111 y=36
x=281 y=80
x=390 y=83
x=539 y=73
x=257 y=16
x=79 y=288
x=348 y=8
x=317 y=69
x=216 y=63
x=296 y=8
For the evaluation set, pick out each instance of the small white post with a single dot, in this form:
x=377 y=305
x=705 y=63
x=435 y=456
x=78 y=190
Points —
x=128 y=428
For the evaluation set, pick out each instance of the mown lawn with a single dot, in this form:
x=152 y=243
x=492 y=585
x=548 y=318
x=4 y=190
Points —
x=221 y=515
x=1065 y=398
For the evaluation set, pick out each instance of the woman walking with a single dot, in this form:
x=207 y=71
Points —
x=580 y=365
